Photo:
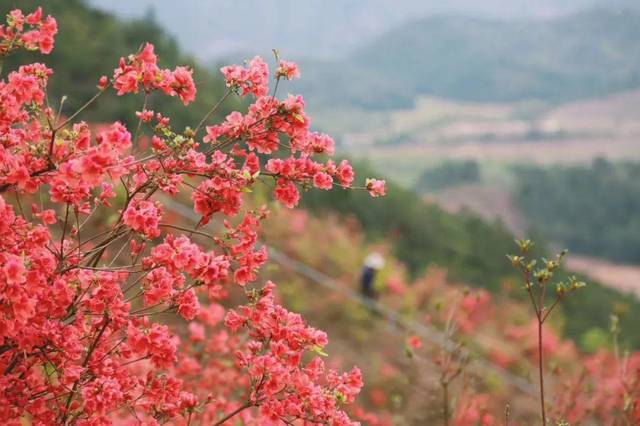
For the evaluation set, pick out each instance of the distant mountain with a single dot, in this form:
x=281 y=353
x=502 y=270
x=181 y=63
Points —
x=321 y=29
x=587 y=54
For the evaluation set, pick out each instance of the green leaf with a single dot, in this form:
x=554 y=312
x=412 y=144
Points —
x=318 y=350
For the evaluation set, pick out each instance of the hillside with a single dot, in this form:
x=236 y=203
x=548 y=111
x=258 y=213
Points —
x=408 y=141
x=422 y=234
x=586 y=54
x=496 y=329
x=473 y=250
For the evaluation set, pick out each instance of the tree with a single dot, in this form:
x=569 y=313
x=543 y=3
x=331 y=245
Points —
x=109 y=309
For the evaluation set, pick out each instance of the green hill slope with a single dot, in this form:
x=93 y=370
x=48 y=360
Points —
x=471 y=249
x=593 y=210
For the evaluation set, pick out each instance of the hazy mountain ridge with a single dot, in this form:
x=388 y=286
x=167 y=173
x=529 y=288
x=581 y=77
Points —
x=316 y=28
x=583 y=55
x=381 y=54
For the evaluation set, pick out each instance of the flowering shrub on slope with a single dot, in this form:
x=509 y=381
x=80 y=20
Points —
x=418 y=382
x=82 y=339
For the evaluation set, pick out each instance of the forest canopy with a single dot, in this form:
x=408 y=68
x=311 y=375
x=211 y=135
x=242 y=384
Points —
x=591 y=209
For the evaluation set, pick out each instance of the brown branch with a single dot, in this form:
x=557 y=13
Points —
x=232 y=414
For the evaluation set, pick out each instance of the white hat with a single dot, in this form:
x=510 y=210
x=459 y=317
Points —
x=374 y=261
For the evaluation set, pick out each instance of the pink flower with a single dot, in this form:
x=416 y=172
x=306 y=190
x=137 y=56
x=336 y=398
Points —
x=414 y=342
x=188 y=305
x=106 y=194
x=159 y=285
x=183 y=85
x=155 y=342
x=196 y=332
x=322 y=181
x=319 y=143
x=126 y=80
x=234 y=321
x=288 y=70
x=253 y=79
x=287 y=193
x=48 y=29
x=41 y=35
x=136 y=248
x=13 y=270
x=103 y=82
x=345 y=173
x=144 y=217
x=143 y=69
x=376 y=187
x=48 y=216
x=146 y=116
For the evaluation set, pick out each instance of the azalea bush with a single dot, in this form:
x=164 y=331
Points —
x=113 y=311
x=411 y=380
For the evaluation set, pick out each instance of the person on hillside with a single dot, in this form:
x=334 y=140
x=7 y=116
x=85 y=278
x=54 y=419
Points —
x=372 y=264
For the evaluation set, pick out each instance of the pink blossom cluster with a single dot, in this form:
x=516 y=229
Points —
x=286 y=387
x=475 y=306
x=142 y=69
x=288 y=70
x=252 y=79
x=143 y=216
x=473 y=411
x=32 y=32
x=267 y=120
x=608 y=390
x=376 y=187
x=111 y=311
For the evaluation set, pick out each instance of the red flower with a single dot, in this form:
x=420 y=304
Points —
x=322 y=181
x=414 y=342
x=253 y=79
x=144 y=217
x=288 y=70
